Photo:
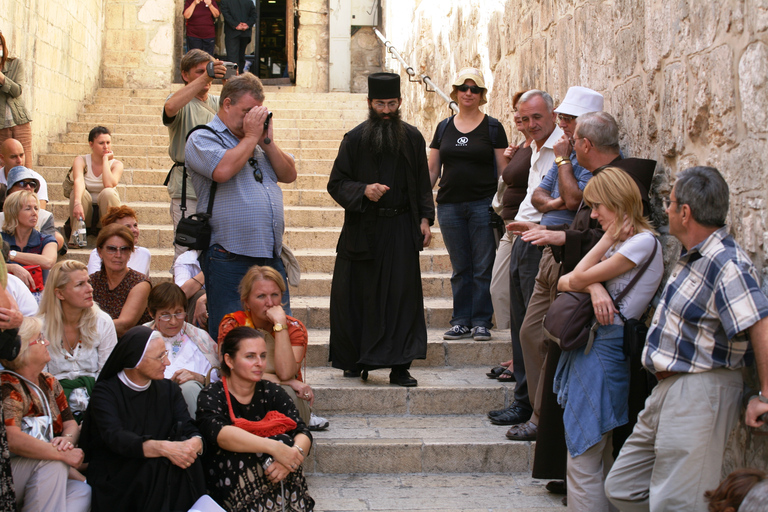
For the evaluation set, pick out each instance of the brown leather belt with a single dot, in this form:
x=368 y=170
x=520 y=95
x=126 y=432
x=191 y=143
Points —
x=665 y=375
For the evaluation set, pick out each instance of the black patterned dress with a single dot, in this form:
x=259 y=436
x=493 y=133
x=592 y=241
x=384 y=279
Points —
x=7 y=496
x=236 y=480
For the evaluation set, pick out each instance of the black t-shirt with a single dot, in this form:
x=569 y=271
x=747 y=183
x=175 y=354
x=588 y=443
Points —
x=468 y=162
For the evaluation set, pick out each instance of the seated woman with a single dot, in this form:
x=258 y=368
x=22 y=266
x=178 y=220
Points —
x=286 y=337
x=189 y=276
x=593 y=388
x=120 y=291
x=95 y=178
x=28 y=245
x=42 y=434
x=140 y=442
x=141 y=257
x=252 y=428
x=191 y=351
x=82 y=335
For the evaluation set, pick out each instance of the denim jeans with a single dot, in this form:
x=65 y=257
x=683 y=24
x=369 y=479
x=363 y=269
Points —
x=223 y=271
x=471 y=245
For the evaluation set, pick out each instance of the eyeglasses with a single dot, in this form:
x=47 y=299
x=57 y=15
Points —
x=380 y=105
x=566 y=118
x=474 y=89
x=40 y=341
x=26 y=183
x=177 y=316
x=160 y=357
x=257 y=174
x=666 y=201
x=111 y=249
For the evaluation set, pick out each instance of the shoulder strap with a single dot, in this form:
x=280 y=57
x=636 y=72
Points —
x=43 y=399
x=635 y=279
x=184 y=177
x=441 y=128
x=493 y=132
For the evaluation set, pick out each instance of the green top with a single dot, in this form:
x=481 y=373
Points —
x=194 y=113
x=11 y=101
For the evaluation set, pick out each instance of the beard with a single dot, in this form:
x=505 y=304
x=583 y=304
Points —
x=384 y=135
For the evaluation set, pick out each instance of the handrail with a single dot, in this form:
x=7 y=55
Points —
x=411 y=73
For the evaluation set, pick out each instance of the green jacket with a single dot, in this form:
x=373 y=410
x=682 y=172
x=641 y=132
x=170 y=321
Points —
x=10 y=94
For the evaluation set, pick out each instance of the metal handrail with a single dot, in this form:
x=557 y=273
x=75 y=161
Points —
x=412 y=74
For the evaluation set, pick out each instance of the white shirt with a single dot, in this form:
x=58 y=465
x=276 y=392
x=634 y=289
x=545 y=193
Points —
x=186 y=267
x=184 y=355
x=85 y=362
x=22 y=295
x=41 y=194
x=541 y=163
x=140 y=260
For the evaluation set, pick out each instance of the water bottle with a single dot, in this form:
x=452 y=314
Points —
x=80 y=234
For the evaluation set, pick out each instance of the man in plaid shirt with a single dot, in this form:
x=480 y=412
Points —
x=699 y=339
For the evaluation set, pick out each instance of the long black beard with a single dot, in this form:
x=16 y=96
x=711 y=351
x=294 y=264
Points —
x=384 y=135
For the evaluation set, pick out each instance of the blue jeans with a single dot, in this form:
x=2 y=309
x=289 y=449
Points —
x=471 y=246
x=223 y=271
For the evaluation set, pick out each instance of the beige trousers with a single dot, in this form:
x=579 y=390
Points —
x=106 y=198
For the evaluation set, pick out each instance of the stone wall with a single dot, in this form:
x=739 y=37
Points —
x=312 y=46
x=366 y=58
x=139 y=43
x=687 y=81
x=60 y=43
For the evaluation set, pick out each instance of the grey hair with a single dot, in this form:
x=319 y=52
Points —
x=705 y=191
x=236 y=87
x=756 y=498
x=600 y=128
x=529 y=95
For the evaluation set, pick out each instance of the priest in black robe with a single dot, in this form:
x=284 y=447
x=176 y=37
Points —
x=381 y=178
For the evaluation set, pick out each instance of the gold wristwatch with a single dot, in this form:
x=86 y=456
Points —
x=278 y=327
x=561 y=160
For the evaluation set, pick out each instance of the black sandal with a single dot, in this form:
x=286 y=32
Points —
x=506 y=376
x=495 y=372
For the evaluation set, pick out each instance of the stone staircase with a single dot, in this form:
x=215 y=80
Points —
x=388 y=448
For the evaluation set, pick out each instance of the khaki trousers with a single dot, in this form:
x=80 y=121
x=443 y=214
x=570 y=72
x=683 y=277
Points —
x=42 y=486
x=106 y=198
x=586 y=477
x=500 y=281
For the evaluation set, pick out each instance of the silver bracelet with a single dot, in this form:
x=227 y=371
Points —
x=301 y=450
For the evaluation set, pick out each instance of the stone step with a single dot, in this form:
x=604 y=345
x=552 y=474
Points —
x=146 y=96
x=160 y=266
x=280 y=103
x=128 y=193
x=319 y=284
x=440 y=352
x=432 y=259
x=314 y=311
x=415 y=444
x=324 y=238
x=434 y=492
x=148 y=212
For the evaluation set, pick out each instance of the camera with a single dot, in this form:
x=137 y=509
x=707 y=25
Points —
x=231 y=70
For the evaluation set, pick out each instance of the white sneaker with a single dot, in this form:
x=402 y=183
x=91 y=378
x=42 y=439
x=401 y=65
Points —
x=317 y=423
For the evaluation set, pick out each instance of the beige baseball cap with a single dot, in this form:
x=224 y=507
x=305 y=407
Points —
x=470 y=74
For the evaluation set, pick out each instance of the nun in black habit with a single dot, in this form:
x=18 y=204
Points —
x=137 y=434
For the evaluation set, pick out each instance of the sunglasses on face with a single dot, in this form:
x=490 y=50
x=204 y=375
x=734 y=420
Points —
x=111 y=249
x=257 y=175
x=566 y=118
x=26 y=183
x=474 y=89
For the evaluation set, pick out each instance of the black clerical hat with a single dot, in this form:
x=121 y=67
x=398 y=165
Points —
x=641 y=170
x=383 y=86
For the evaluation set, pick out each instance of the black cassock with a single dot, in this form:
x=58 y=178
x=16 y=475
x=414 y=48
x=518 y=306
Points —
x=121 y=419
x=377 y=305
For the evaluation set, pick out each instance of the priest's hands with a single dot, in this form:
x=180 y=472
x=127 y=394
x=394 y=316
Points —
x=374 y=191
x=426 y=231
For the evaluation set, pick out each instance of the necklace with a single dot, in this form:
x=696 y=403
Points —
x=69 y=348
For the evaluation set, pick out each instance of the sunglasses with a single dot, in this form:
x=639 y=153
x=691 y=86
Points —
x=26 y=183
x=111 y=249
x=566 y=118
x=474 y=89
x=258 y=176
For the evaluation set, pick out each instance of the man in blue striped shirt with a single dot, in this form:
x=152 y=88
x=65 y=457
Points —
x=711 y=318
x=247 y=222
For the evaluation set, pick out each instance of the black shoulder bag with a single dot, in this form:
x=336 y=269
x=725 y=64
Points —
x=194 y=232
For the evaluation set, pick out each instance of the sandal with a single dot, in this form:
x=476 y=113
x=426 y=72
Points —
x=495 y=372
x=506 y=376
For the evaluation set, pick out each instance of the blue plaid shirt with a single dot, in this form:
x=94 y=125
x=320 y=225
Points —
x=247 y=215
x=711 y=298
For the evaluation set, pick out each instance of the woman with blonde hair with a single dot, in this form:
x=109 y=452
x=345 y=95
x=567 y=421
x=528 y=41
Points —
x=261 y=291
x=82 y=335
x=592 y=385
x=28 y=245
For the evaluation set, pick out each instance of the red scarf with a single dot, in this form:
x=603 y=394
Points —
x=274 y=422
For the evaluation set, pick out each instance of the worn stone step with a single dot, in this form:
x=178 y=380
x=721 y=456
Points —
x=317 y=166
x=440 y=352
x=129 y=162
x=110 y=120
x=303 y=197
x=148 y=212
x=432 y=259
x=85 y=126
x=160 y=266
x=432 y=492
x=314 y=311
x=324 y=238
x=141 y=96
x=309 y=182
x=120 y=138
x=319 y=284
x=128 y=193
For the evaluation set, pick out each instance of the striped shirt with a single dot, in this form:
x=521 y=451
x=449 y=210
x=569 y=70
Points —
x=711 y=298
x=247 y=215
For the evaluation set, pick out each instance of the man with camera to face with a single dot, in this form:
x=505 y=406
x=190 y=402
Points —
x=240 y=155
x=186 y=108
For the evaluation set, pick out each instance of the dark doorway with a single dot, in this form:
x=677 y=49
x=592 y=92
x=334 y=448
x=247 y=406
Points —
x=277 y=41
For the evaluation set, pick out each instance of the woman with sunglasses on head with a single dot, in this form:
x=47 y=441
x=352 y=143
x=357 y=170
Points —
x=467 y=153
x=120 y=291
x=95 y=178
x=82 y=335
x=191 y=351
x=16 y=122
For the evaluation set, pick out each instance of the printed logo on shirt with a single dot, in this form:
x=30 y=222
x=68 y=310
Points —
x=462 y=141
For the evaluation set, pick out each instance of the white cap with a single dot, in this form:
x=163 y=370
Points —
x=580 y=100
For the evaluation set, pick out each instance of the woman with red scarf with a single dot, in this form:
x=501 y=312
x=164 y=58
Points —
x=255 y=439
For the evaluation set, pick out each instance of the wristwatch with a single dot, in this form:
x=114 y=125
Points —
x=561 y=160
x=278 y=327
x=762 y=397
x=11 y=255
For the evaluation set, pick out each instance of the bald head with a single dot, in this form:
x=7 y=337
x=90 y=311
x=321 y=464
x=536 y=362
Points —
x=11 y=154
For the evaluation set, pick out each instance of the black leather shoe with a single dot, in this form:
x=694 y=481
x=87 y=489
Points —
x=499 y=412
x=514 y=415
x=351 y=374
x=557 y=487
x=402 y=378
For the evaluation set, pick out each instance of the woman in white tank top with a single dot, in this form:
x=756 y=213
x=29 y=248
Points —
x=95 y=178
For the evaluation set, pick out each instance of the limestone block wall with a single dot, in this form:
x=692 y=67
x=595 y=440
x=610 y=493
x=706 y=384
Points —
x=312 y=46
x=366 y=58
x=139 y=44
x=687 y=81
x=60 y=44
